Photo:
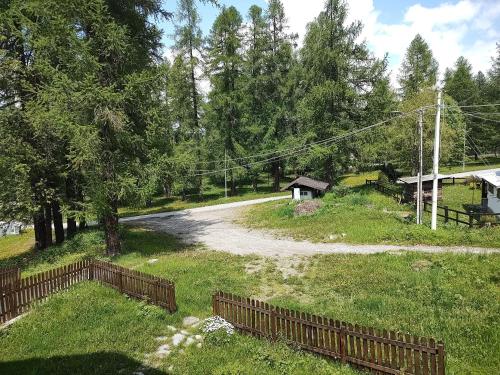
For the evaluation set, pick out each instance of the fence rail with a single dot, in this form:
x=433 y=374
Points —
x=470 y=218
x=381 y=351
x=18 y=294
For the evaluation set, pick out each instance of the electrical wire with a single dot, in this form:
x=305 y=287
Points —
x=331 y=140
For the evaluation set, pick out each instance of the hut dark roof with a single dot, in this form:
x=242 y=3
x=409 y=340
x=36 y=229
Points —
x=307 y=182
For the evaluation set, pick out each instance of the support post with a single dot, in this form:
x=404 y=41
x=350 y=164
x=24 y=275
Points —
x=435 y=169
x=445 y=214
x=465 y=139
x=225 y=173
x=420 y=166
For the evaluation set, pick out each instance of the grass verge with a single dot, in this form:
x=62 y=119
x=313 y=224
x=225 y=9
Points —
x=364 y=216
x=92 y=329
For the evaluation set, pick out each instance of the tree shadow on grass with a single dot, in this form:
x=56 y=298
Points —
x=93 y=363
x=89 y=241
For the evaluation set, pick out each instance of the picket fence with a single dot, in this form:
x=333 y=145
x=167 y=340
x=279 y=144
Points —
x=379 y=351
x=18 y=294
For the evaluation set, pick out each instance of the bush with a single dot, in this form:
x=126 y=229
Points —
x=383 y=179
x=341 y=191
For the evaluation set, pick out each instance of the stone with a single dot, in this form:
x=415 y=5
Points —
x=189 y=341
x=171 y=328
x=198 y=337
x=163 y=351
x=215 y=323
x=137 y=373
x=161 y=338
x=190 y=321
x=198 y=345
x=177 y=339
x=185 y=333
x=151 y=261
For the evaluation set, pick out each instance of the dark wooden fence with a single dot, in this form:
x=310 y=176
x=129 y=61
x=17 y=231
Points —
x=9 y=276
x=470 y=218
x=388 y=190
x=379 y=351
x=18 y=294
x=137 y=284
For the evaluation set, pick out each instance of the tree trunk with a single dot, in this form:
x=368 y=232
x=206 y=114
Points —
x=82 y=224
x=329 y=170
x=167 y=191
x=233 y=183
x=39 y=226
x=58 y=222
x=48 y=225
x=113 y=245
x=254 y=183
x=71 y=227
x=276 y=176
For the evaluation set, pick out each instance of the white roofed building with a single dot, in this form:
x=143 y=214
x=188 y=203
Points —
x=491 y=190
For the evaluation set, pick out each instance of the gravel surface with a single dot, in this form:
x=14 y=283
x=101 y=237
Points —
x=214 y=227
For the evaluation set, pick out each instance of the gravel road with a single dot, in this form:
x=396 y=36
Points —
x=214 y=227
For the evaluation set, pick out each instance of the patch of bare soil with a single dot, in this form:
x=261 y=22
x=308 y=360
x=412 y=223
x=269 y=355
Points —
x=421 y=265
x=307 y=207
x=275 y=273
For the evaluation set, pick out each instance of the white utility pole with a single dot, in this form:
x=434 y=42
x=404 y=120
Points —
x=435 y=167
x=420 y=167
x=225 y=173
x=465 y=135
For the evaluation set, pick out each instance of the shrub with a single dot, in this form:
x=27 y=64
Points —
x=382 y=178
x=341 y=190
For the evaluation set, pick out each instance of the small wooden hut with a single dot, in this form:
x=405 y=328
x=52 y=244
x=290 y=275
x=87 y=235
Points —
x=410 y=186
x=306 y=188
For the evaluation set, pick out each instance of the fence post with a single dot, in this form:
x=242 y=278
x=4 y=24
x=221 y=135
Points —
x=215 y=305
x=440 y=350
x=91 y=270
x=343 y=342
x=445 y=214
x=471 y=219
x=273 y=323
x=120 y=285
x=155 y=296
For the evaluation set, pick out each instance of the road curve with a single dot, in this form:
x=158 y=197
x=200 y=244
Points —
x=214 y=227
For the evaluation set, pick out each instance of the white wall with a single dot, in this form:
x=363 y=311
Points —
x=493 y=201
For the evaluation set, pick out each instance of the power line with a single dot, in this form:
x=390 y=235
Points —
x=331 y=140
x=482 y=118
x=474 y=147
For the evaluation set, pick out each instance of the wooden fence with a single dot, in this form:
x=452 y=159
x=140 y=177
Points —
x=18 y=294
x=385 y=352
x=395 y=193
x=9 y=276
x=470 y=218
x=137 y=284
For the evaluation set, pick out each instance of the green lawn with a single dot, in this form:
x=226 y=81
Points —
x=472 y=165
x=366 y=216
x=91 y=329
x=212 y=194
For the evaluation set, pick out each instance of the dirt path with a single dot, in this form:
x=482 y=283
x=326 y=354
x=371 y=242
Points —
x=214 y=227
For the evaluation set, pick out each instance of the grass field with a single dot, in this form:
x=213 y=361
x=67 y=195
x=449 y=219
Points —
x=211 y=195
x=367 y=216
x=488 y=162
x=92 y=329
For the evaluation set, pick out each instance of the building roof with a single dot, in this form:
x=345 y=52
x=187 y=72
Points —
x=308 y=182
x=491 y=177
x=414 y=179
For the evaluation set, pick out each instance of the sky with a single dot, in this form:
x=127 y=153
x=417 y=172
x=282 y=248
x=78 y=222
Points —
x=452 y=28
